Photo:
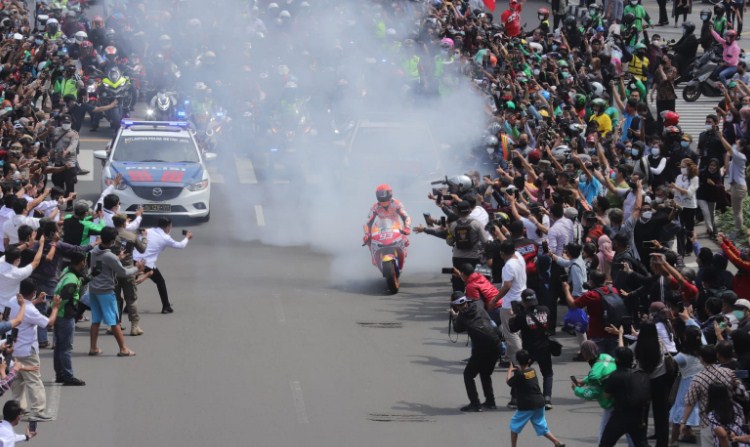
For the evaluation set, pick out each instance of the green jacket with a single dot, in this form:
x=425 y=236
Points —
x=89 y=226
x=69 y=289
x=640 y=16
x=593 y=383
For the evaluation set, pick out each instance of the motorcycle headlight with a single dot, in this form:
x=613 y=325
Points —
x=150 y=112
x=198 y=186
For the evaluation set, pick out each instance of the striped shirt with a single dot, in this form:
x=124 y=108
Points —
x=698 y=391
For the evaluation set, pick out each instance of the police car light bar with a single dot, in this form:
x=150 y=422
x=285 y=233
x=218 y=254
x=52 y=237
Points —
x=129 y=123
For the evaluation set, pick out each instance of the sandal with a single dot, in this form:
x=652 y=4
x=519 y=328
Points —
x=97 y=352
x=128 y=353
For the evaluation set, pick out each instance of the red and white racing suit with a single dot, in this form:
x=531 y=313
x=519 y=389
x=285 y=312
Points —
x=392 y=210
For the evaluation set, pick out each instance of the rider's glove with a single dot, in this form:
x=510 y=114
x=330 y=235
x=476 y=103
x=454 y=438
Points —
x=406 y=231
x=366 y=239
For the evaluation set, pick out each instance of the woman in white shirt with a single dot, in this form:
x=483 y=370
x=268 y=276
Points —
x=685 y=187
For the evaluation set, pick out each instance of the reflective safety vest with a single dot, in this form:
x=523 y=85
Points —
x=411 y=67
x=638 y=67
x=53 y=37
x=66 y=87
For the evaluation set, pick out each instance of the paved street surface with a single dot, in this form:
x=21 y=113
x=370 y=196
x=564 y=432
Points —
x=286 y=346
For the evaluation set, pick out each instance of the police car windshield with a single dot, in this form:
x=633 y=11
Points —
x=166 y=149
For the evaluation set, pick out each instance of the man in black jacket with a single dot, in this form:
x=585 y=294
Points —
x=685 y=49
x=709 y=143
x=470 y=316
x=531 y=319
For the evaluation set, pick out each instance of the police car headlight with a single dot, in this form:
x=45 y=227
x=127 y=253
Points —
x=199 y=186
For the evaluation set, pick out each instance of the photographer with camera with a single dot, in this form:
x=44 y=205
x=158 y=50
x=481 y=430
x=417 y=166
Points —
x=469 y=316
x=467 y=237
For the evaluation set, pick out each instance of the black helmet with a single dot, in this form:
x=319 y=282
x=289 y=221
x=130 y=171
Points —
x=706 y=14
x=569 y=21
x=628 y=18
x=689 y=27
x=718 y=10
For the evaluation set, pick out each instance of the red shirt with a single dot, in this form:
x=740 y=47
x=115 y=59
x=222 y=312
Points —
x=478 y=287
x=512 y=21
x=688 y=291
x=741 y=281
x=592 y=301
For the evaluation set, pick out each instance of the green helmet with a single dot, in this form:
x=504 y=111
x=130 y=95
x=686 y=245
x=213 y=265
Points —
x=580 y=101
x=640 y=46
x=599 y=102
x=562 y=64
x=510 y=105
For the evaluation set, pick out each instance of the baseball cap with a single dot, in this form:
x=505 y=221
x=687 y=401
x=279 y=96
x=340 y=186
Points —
x=65 y=119
x=528 y=296
x=81 y=207
x=459 y=301
x=742 y=302
x=463 y=206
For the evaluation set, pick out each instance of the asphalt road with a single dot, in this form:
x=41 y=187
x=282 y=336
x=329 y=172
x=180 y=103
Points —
x=286 y=346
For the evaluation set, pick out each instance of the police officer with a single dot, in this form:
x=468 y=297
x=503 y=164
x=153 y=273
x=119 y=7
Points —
x=467 y=237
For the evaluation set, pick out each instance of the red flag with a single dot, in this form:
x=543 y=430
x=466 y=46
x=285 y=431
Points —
x=490 y=4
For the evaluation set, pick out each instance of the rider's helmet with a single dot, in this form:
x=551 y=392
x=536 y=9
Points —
x=110 y=52
x=460 y=184
x=446 y=43
x=209 y=58
x=273 y=7
x=595 y=9
x=718 y=10
x=97 y=22
x=491 y=141
x=705 y=14
x=86 y=45
x=730 y=35
x=114 y=74
x=165 y=41
x=80 y=36
x=580 y=101
x=561 y=153
x=285 y=15
x=597 y=88
x=542 y=13
x=569 y=22
x=53 y=26
x=201 y=86
x=194 y=23
x=494 y=128
x=628 y=18
x=70 y=14
x=384 y=193
x=688 y=27
x=640 y=46
x=600 y=103
x=670 y=118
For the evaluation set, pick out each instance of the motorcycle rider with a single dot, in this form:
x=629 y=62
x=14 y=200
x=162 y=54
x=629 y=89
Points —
x=706 y=40
x=638 y=66
x=730 y=55
x=90 y=59
x=53 y=33
x=720 y=21
x=387 y=207
x=69 y=83
x=685 y=49
x=96 y=33
x=113 y=80
x=543 y=15
x=639 y=13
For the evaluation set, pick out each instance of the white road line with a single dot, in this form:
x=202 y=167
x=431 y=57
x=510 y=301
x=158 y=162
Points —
x=53 y=399
x=299 y=403
x=259 y=216
x=245 y=171
x=86 y=161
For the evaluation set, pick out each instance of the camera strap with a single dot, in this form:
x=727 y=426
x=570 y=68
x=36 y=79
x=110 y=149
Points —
x=450 y=329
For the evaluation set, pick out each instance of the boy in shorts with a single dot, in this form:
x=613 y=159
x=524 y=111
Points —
x=525 y=384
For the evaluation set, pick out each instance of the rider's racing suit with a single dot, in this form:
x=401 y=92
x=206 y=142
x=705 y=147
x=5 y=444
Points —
x=393 y=210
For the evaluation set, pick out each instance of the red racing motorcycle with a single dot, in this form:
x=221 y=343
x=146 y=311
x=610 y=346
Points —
x=388 y=250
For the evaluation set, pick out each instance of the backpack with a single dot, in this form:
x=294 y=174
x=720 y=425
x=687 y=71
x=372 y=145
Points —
x=463 y=234
x=615 y=311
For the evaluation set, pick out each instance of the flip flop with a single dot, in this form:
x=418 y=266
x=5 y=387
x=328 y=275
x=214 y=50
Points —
x=126 y=354
x=97 y=352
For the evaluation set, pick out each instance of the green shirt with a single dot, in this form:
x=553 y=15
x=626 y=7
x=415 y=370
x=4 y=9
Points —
x=640 y=16
x=593 y=383
x=69 y=289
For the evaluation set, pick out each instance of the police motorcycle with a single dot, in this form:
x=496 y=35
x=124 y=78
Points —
x=115 y=86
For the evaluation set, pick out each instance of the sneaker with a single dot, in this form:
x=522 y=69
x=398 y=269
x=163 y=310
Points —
x=136 y=331
x=504 y=363
x=167 y=310
x=83 y=172
x=472 y=408
x=39 y=417
x=548 y=403
x=487 y=405
x=43 y=344
x=74 y=381
x=512 y=404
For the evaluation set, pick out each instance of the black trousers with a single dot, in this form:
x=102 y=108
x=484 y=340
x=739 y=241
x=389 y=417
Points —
x=663 y=17
x=552 y=296
x=482 y=363
x=544 y=359
x=620 y=424
x=66 y=180
x=161 y=286
x=687 y=219
x=458 y=284
x=660 y=388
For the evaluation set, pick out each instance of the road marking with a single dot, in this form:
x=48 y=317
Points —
x=53 y=399
x=245 y=171
x=86 y=161
x=259 y=216
x=279 y=308
x=299 y=403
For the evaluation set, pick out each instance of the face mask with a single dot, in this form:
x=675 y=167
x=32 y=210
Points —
x=685 y=144
x=536 y=71
x=709 y=127
x=66 y=126
x=684 y=171
x=730 y=118
x=658 y=200
x=647 y=215
x=635 y=2
x=655 y=151
x=582 y=178
x=739 y=314
x=38 y=42
x=565 y=74
x=634 y=152
x=8 y=109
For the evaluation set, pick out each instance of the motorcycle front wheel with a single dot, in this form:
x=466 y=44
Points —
x=391 y=276
x=691 y=93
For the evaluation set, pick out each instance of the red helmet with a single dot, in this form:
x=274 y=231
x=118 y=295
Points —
x=730 y=34
x=543 y=12
x=86 y=44
x=670 y=118
x=384 y=193
x=110 y=51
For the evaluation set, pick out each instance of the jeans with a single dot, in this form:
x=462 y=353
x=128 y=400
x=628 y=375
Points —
x=605 y=418
x=727 y=73
x=64 y=330
x=708 y=210
x=606 y=345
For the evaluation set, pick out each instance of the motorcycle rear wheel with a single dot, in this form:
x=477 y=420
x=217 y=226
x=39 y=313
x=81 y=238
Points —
x=691 y=93
x=391 y=277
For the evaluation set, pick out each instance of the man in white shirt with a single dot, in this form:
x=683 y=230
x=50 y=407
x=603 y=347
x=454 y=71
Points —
x=11 y=275
x=12 y=411
x=10 y=227
x=158 y=240
x=27 y=386
x=736 y=174
x=111 y=206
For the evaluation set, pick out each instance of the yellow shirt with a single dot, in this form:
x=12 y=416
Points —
x=604 y=123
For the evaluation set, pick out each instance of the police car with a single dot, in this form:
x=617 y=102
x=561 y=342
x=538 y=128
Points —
x=162 y=169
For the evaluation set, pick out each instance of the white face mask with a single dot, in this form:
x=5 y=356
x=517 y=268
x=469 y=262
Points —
x=647 y=215
x=66 y=126
x=709 y=126
x=684 y=171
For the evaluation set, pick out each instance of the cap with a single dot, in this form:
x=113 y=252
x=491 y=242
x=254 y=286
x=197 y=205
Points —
x=534 y=156
x=65 y=119
x=463 y=206
x=81 y=207
x=459 y=301
x=529 y=297
x=571 y=213
x=742 y=302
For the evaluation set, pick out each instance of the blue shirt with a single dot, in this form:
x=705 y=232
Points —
x=590 y=189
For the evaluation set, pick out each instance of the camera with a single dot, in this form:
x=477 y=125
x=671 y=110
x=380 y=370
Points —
x=564 y=277
x=10 y=339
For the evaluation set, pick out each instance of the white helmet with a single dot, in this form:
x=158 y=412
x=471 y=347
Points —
x=462 y=183
x=598 y=88
x=80 y=36
x=561 y=153
x=201 y=86
x=285 y=15
x=538 y=48
x=273 y=6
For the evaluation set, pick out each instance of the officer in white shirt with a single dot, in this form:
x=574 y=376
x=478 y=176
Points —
x=111 y=206
x=11 y=275
x=10 y=227
x=158 y=240
x=12 y=411
x=28 y=387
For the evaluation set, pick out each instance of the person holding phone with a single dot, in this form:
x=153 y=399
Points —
x=12 y=412
x=159 y=239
